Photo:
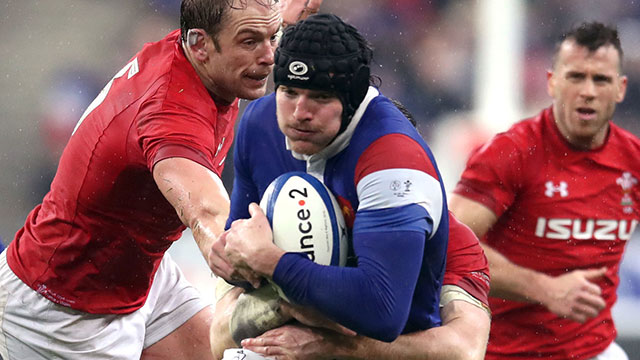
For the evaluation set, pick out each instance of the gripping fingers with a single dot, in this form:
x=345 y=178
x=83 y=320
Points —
x=586 y=307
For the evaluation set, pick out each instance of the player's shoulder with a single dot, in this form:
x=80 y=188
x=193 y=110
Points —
x=624 y=138
x=523 y=137
x=260 y=108
x=382 y=118
x=258 y=121
x=259 y=116
x=160 y=56
x=530 y=130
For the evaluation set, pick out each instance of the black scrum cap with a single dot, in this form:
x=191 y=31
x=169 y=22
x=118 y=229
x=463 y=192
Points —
x=324 y=53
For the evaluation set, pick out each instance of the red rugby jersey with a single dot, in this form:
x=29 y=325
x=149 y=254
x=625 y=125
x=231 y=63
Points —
x=467 y=266
x=97 y=239
x=559 y=209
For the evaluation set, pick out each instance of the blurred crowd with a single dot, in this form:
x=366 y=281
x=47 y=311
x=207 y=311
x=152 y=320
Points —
x=56 y=58
x=425 y=58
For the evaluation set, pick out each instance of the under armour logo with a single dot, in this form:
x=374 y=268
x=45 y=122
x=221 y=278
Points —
x=552 y=189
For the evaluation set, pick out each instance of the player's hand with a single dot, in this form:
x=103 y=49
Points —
x=222 y=267
x=575 y=296
x=293 y=11
x=249 y=245
x=311 y=317
x=295 y=342
x=217 y=259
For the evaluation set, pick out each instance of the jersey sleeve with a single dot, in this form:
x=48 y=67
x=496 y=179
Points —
x=467 y=265
x=492 y=174
x=401 y=205
x=396 y=171
x=171 y=130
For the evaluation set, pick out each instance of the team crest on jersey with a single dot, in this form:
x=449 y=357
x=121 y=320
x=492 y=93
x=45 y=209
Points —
x=347 y=211
x=561 y=189
x=400 y=189
x=626 y=182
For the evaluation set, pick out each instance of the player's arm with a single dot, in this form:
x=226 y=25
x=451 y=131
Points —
x=374 y=297
x=463 y=336
x=293 y=11
x=571 y=295
x=220 y=335
x=200 y=200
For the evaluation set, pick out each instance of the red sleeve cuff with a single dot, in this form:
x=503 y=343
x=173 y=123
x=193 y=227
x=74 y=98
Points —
x=465 y=189
x=180 y=151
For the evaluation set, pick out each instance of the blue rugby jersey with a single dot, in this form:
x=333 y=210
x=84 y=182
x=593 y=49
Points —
x=387 y=183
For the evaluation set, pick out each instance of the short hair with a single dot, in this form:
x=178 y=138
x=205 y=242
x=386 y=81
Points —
x=591 y=35
x=210 y=15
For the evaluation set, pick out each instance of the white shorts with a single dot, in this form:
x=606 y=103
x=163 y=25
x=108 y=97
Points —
x=242 y=354
x=612 y=352
x=32 y=327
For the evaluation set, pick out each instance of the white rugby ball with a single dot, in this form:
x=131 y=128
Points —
x=305 y=217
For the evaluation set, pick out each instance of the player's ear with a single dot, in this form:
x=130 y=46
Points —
x=622 y=88
x=196 y=43
x=550 y=83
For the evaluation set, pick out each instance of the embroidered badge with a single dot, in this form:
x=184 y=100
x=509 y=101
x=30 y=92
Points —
x=626 y=182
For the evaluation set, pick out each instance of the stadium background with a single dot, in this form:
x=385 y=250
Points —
x=466 y=69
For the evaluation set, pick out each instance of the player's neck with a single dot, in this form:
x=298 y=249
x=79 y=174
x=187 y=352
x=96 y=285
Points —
x=208 y=83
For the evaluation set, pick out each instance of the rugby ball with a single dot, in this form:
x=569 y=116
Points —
x=306 y=218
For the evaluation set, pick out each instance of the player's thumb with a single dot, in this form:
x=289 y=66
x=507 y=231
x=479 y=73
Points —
x=255 y=210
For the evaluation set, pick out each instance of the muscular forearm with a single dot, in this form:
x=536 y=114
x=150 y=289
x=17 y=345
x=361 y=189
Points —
x=463 y=336
x=220 y=335
x=198 y=196
x=205 y=229
x=511 y=281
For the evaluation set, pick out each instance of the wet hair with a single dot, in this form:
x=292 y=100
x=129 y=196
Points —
x=324 y=53
x=591 y=35
x=210 y=15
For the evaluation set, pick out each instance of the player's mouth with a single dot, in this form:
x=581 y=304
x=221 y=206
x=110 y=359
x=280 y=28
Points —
x=298 y=133
x=259 y=78
x=586 y=113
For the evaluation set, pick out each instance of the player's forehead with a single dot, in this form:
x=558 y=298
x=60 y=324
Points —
x=252 y=16
x=572 y=56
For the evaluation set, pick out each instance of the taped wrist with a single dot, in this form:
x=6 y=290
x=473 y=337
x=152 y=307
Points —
x=255 y=313
x=454 y=292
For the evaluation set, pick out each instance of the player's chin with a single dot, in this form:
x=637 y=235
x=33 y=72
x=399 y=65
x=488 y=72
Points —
x=252 y=93
x=253 y=88
x=304 y=147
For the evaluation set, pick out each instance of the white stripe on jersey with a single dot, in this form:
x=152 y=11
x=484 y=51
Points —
x=391 y=188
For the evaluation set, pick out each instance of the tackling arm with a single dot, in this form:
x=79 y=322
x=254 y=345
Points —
x=463 y=336
x=200 y=200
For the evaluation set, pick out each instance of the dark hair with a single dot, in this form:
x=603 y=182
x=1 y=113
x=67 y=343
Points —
x=403 y=109
x=210 y=15
x=325 y=53
x=591 y=35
